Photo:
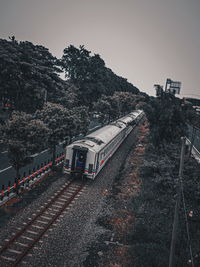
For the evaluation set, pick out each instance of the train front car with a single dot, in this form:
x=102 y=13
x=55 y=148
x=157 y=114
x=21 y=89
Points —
x=79 y=159
x=88 y=156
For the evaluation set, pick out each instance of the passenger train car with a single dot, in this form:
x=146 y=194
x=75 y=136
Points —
x=89 y=155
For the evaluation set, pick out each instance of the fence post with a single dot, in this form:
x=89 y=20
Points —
x=8 y=192
x=2 y=192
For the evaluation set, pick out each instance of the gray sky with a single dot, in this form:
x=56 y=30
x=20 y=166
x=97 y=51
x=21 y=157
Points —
x=145 y=41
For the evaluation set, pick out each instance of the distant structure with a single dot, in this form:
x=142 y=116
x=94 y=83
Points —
x=195 y=102
x=159 y=90
x=172 y=87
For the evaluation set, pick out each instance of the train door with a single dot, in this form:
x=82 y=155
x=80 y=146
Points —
x=79 y=159
x=97 y=162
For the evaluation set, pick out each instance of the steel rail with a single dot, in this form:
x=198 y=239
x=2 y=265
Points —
x=31 y=222
x=25 y=252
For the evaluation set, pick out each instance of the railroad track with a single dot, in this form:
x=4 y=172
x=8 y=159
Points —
x=19 y=245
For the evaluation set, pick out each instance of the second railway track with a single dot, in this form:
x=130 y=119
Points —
x=19 y=245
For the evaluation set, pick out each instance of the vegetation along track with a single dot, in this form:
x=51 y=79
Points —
x=18 y=246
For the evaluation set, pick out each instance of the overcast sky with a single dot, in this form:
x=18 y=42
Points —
x=145 y=41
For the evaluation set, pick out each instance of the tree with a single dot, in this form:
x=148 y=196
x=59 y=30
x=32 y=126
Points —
x=76 y=63
x=62 y=123
x=91 y=76
x=23 y=136
x=59 y=122
x=167 y=120
x=68 y=97
x=103 y=108
x=127 y=102
x=29 y=73
x=112 y=107
x=81 y=119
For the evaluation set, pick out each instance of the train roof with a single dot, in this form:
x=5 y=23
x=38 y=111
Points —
x=107 y=133
x=136 y=112
x=129 y=118
x=126 y=119
x=98 y=139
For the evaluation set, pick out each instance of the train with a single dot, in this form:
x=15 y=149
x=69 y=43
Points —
x=86 y=157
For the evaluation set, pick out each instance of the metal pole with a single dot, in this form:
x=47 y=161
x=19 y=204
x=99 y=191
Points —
x=177 y=206
x=167 y=81
x=192 y=139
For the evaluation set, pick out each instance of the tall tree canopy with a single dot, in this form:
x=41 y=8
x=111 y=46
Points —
x=91 y=76
x=119 y=104
x=167 y=119
x=29 y=74
x=55 y=118
x=62 y=123
x=23 y=135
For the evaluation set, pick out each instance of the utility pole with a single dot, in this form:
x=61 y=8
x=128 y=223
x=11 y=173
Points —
x=192 y=139
x=177 y=206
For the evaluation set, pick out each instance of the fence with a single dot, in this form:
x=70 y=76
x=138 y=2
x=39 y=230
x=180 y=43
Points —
x=193 y=150
x=33 y=176
x=194 y=136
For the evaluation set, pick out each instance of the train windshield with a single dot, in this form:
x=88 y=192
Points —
x=79 y=160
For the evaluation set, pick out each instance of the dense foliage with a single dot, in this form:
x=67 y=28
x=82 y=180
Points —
x=154 y=209
x=91 y=76
x=62 y=123
x=23 y=135
x=167 y=119
x=28 y=75
x=30 y=83
x=154 y=206
x=117 y=105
